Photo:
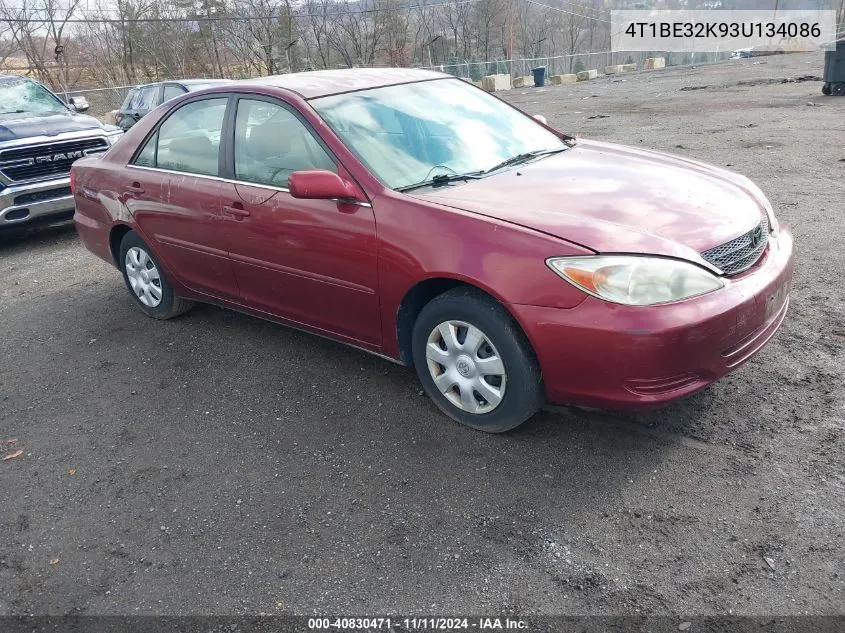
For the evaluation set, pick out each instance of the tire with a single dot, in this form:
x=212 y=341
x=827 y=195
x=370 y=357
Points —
x=146 y=280
x=479 y=331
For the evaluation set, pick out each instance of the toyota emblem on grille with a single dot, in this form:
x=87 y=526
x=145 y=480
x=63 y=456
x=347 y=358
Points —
x=756 y=237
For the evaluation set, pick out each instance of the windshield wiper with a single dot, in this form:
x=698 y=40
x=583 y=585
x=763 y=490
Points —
x=14 y=112
x=525 y=157
x=441 y=179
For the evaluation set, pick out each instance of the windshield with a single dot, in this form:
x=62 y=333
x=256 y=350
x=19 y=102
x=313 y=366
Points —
x=28 y=97
x=410 y=133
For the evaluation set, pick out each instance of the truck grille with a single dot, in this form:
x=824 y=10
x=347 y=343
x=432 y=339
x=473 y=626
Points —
x=741 y=252
x=50 y=160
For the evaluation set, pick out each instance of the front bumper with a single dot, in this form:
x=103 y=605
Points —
x=605 y=355
x=24 y=203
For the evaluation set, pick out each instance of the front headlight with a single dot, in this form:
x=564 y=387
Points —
x=114 y=137
x=635 y=280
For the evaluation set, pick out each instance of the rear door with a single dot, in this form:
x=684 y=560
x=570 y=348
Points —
x=173 y=191
x=311 y=261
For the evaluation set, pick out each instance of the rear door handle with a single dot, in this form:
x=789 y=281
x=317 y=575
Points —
x=238 y=213
x=134 y=188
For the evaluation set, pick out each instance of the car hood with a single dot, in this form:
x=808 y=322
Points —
x=18 y=126
x=616 y=199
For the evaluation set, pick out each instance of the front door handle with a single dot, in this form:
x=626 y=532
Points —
x=237 y=212
x=134 y=188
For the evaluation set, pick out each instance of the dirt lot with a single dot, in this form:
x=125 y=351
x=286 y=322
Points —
x=221 y=464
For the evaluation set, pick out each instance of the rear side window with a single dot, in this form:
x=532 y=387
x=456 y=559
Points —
x=188 y=140
x=147 y=156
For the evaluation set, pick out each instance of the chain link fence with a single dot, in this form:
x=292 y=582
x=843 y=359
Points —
x=103 y=101
x=571 y=63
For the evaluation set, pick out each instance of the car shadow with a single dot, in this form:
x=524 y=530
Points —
x=37 y=235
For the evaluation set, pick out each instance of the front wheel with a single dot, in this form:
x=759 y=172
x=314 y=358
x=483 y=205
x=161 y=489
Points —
x=475 y=363
x=146 y=280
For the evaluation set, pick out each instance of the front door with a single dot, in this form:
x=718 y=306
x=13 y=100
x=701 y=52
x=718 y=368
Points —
x=173 y=192
x=311 y=261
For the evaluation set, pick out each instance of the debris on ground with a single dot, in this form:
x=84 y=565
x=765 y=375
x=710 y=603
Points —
x=17 y=453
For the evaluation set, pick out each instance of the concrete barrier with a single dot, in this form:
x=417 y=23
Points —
x=629 y=68
x=614 y=70
x=584 y=75
x=653 y=63
x=493 y=83
x=523 y=82
x=557 y=80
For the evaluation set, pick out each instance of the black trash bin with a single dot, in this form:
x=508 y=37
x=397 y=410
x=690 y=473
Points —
x=539 y=76
x=834 y=70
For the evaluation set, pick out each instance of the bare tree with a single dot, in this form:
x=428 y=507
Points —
x=359 y=27
x=38 y=30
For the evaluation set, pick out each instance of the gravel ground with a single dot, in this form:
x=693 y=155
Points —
x=219 y=464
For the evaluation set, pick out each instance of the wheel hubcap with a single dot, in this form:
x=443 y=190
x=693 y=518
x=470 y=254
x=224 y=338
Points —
x=466 y=367
x=143 y=277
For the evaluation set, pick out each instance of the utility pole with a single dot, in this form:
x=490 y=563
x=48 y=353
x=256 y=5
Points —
x=510 y=35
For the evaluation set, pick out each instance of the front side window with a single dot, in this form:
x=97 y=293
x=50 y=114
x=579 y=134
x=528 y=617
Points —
x=408 y=133
x=188 y=140
x=22 y=96
x=171 y=91
x=271 y=143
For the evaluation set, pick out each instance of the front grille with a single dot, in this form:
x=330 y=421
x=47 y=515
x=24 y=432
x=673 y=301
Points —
x=41 y=196
x=48 y=160
x=741 y=252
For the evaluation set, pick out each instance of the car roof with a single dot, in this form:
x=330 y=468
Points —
x=189 y=83
x=322 y=83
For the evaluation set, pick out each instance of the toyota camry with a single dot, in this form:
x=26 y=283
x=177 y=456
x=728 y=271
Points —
x=414 y=216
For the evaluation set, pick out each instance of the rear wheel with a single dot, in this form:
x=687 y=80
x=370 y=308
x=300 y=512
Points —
x=146 y=280
x=475 y=363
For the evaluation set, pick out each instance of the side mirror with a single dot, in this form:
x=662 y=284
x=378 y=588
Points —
x=80 y=104
x=541 y=119
x=321 y=184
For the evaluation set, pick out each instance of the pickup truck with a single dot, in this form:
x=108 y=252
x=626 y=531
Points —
x=40 y=137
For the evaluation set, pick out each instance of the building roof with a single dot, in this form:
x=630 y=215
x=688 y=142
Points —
x=321 y=83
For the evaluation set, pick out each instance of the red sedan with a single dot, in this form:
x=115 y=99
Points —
x=412 y=215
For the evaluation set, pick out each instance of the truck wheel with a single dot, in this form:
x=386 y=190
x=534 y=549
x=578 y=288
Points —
x=146 y=280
